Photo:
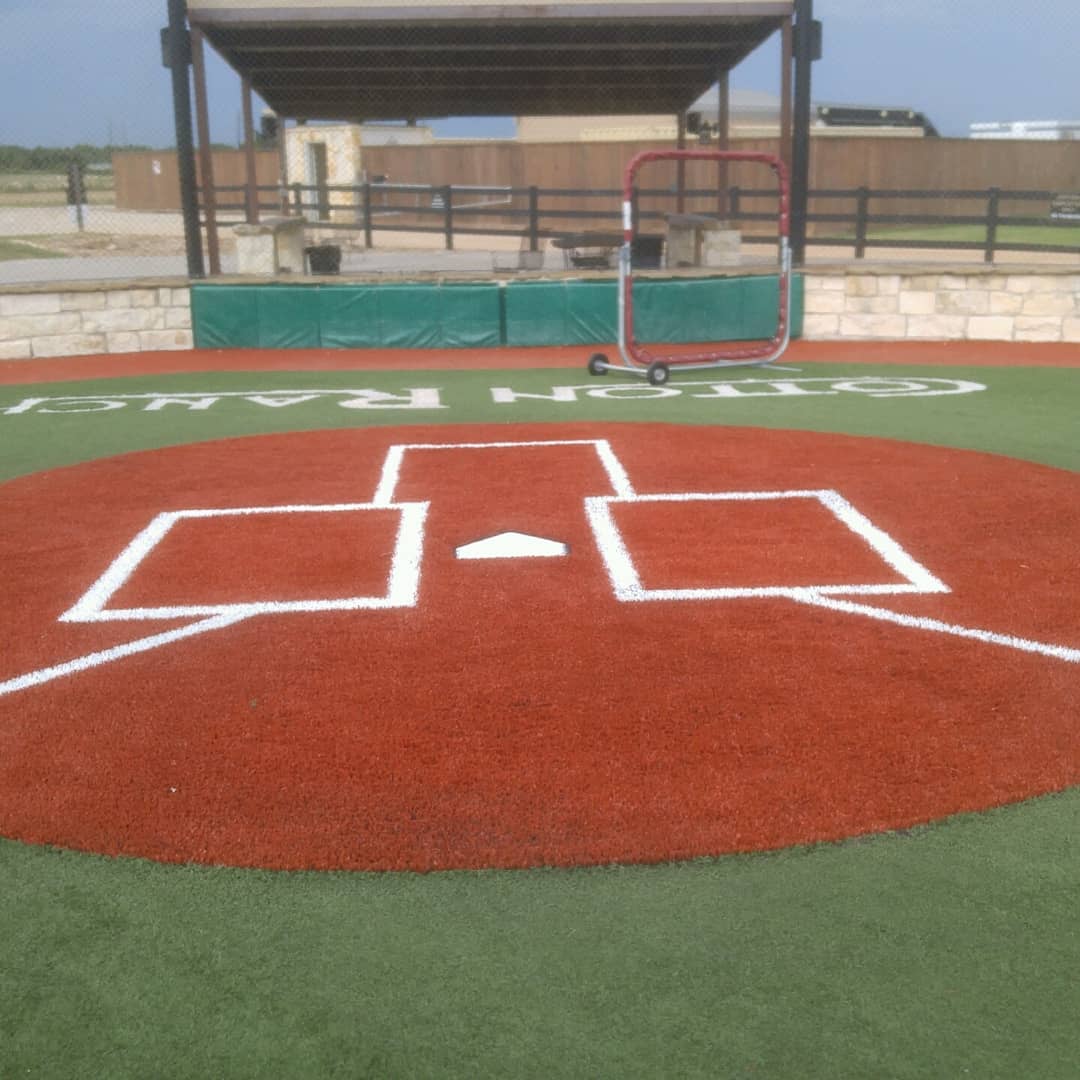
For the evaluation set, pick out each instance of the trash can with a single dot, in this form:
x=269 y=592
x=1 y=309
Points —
x=323 y=258
x=646 y=252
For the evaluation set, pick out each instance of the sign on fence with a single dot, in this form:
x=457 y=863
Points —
x=1065 y=208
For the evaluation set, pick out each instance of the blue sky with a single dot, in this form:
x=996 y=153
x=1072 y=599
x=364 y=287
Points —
x=73 y=71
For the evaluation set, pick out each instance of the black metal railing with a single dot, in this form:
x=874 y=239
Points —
x=862 y=218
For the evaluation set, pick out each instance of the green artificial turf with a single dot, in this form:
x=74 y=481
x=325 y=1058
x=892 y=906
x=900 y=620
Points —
x=1023 y=412
x=948 y=951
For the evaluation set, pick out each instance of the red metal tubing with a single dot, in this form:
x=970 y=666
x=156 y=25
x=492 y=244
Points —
x=742 y=352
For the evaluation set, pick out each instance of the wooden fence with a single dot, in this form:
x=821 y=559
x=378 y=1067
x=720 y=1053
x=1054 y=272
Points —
x=836 y=162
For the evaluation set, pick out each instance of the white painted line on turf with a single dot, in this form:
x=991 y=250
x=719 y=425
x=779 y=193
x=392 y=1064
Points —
x=402 y=585
x=917 y=622
x=391 y=470
x=626 y=580
x=881 y=542
x=403 y=589
x=119 y=652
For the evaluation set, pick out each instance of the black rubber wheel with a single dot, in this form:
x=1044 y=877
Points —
x=658 y=373
x=598 y=364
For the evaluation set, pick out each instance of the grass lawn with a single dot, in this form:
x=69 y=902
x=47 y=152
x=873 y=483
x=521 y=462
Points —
x=22 y=249
x=50 y=189
x=1058 y=235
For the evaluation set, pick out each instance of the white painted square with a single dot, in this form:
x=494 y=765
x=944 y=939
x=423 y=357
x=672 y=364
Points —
x=402 y=585
x=626 y=579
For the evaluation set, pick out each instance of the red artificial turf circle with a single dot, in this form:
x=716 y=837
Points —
x=518 y=714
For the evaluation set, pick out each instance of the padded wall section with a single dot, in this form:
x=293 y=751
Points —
x=484 y=315
x=407 y=316
x=665 y=310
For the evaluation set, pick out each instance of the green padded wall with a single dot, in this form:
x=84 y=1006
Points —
x=484 y=315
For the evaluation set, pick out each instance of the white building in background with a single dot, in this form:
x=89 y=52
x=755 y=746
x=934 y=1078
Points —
x=1046 y=130
x=754 y=114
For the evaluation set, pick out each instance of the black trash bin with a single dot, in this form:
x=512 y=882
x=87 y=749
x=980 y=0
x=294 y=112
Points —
x=646 y=252
x=323 y=258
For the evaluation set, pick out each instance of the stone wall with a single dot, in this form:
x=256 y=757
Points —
x=992 y=305
x=78 y=319
x=840 y=303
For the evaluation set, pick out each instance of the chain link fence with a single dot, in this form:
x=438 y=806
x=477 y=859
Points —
x=101 y=198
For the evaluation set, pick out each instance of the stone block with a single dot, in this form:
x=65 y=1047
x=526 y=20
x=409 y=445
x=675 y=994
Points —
x=990 y=328
x=1070 y=330
x=273 y=246
x=30 y=304
x=31 y=326
x=123 y=342
x=823 y=303
x=888 y=284
x=821 y=327
x=119 y=298
x=862 y=285
x=882 y=327
x=1027 y=283
x=952 y=282
x=69 y=345
x=174 y=297
x=918 y=303
x=1048 y=304
x=1006 y=303
x=936 y=327
x=82 y=301
x=177 y=318
x=963 y=302
x=872 y=305
x=15 y=350
x=923 y=282
x=143 y=298
x=1037 y=328
x=123 y=319
x=166 y=339
x=721 y=247
x=830 y=283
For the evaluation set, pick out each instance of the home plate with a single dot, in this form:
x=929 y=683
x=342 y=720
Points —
x=512 y=545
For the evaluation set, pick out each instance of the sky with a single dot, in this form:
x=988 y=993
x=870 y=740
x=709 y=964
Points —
x=90 y=71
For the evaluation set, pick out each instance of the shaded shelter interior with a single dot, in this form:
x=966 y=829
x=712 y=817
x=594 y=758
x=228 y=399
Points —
x=353 y=61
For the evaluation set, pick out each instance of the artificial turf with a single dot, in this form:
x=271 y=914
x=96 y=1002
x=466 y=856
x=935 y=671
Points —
x=949 y=951
x=946 y=951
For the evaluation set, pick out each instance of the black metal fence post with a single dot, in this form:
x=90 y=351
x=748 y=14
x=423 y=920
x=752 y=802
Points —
x=298 y=200
x=862 y=215
x=178 y=56
x=366 y=201
x=534 y=218
x=734 y=209
x=992 y=207
x=448 y=215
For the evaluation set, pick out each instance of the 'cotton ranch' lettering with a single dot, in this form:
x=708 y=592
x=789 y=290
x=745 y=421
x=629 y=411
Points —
x=737 y=389
x=416 y=398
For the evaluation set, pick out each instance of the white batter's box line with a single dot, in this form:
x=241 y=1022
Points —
x=628 y=587
x=403 y=580
x=391 y=470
